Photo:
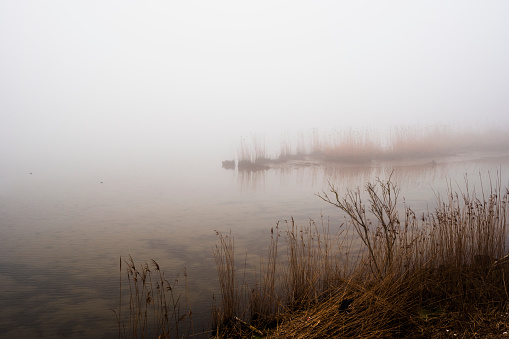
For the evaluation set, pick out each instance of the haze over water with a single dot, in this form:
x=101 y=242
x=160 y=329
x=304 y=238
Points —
x=115 y=117
x=62 y=235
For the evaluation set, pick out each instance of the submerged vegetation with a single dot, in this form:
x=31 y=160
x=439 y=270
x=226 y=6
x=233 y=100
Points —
x=386 y=273
x=365 y=146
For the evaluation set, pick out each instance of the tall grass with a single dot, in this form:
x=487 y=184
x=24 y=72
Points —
x=363 y=146
x=442 y=140
x=350 y=146
x=254 y=155
x=386 y=272
x=157 y=307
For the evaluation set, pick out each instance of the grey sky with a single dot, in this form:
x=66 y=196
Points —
x=107 y=77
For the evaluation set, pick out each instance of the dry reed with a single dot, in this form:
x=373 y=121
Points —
x=406 y=276
x=157 y=309
x=364 y=146
x=384 y=273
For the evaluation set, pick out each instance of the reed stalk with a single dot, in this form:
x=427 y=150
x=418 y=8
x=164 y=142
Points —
x=155 y=304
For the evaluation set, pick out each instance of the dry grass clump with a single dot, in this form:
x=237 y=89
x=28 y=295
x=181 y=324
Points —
x=350 y=147
x=253 y=156
x=386 y=273
x=155 y=304
x=363 y=146
x=415 y=142
x=440 y=140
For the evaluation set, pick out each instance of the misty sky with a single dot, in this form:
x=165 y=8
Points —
x=81 y=79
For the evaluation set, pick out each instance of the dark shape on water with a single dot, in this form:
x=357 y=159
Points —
x=229 y=164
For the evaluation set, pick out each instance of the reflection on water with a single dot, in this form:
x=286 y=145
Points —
x=61 y=235
x=424 y=175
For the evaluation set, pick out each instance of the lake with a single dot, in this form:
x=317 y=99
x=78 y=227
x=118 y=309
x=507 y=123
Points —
x=63 y=228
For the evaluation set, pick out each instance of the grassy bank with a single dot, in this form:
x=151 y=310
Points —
x=385 y=273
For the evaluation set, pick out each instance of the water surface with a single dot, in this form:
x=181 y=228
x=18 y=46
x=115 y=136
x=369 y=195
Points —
x=63 y=228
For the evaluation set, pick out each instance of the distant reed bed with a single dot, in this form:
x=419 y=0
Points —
x=367 y=145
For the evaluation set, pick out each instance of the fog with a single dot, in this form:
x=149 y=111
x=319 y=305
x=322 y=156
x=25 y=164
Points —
x=115 y=117
x=107 y=82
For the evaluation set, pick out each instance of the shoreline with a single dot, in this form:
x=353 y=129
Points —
x=311 y=161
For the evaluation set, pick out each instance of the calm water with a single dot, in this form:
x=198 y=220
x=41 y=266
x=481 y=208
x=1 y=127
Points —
x=62 y=230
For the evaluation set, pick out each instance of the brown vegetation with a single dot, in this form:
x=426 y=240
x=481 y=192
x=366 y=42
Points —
x=365 y=146
x=156 y=308
x=385 y=273
x=425 y=276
